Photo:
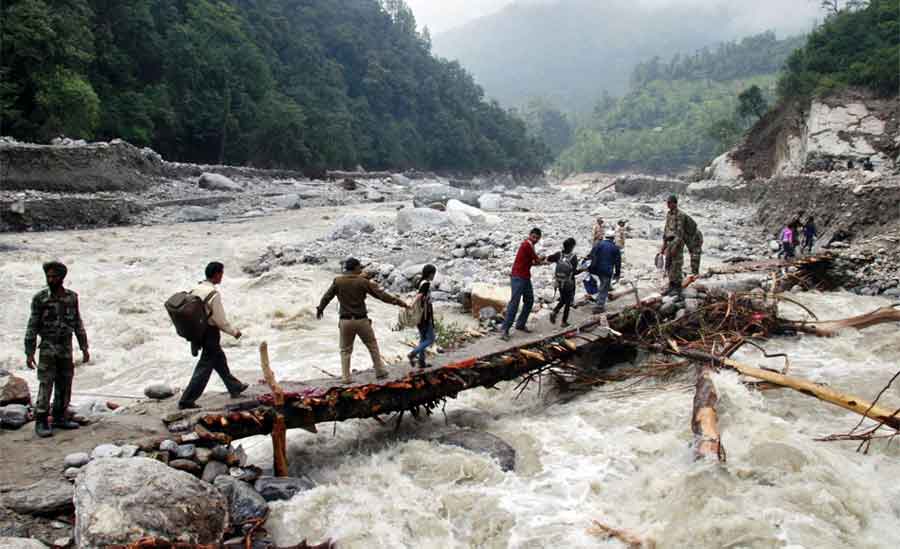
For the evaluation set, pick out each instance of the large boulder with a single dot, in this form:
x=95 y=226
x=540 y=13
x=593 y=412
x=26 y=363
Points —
x=486 y=295
x=216 y=182
x=196 y=213
x=118 y=501
x=426 y=194
x=44 y=498
x=14 y=416
x=649 y=185
x=474 y=214
x=14 y=390
x=21 y=543
x=350 y=226
x=482 y=443
x=275 y=489
x=415 y=219
x=244 y=503
x=491 y=202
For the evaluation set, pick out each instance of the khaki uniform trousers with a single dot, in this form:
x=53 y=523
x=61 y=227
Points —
x=350 y=329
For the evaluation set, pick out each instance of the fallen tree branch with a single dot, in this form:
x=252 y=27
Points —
x=831 y=328
x=632 y=540
x=705 y=422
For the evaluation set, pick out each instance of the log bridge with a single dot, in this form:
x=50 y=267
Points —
x=296 y=405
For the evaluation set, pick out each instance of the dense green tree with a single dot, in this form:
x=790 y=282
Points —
x=288 y=83
x=751 y=103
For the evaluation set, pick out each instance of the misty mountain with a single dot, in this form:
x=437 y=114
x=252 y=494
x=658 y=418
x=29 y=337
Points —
x=569 y=51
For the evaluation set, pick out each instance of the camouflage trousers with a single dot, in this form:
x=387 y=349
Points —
x=675 y=267
x=55 y=372
x=695 y=248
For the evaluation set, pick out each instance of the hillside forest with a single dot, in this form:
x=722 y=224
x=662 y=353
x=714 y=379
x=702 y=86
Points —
x=284 y=83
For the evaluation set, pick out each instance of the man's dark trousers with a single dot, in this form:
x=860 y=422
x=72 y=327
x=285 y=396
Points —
x=521 y=290
x=211 y=358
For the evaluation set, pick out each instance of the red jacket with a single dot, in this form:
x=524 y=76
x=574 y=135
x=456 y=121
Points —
x=525 y=258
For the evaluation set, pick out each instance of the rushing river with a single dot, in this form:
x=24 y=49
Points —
x=623 y=458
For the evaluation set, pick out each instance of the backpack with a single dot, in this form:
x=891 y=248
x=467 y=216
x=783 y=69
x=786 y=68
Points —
x=565 y=268
x=189 y=315
x=411 y=316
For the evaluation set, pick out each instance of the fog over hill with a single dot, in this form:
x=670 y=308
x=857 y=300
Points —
x=571 y=50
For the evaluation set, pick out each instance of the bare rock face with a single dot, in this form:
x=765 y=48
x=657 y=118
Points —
x=118 y=501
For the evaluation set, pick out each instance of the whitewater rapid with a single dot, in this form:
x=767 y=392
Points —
x=622 y=459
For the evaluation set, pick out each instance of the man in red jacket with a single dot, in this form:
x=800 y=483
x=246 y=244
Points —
x=520 y=280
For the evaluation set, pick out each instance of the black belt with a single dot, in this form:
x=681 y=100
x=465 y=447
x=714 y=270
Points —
x=353 y=317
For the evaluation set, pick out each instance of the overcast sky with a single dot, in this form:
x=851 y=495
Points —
x=785 y=16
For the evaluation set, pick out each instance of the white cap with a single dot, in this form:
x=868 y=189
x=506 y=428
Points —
x=610 y=233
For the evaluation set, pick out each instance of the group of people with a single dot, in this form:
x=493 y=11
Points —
x=55 y=316
x=789 y=236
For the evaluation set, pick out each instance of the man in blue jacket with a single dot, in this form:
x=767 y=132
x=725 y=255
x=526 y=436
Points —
x=606 y=265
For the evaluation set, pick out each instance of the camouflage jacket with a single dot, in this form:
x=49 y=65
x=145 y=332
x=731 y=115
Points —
x=55 y=319
x=674 y=233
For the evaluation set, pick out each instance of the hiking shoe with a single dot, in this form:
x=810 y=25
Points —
x=565 y=325
x=381 y=375
x=412 y=360
x=504 y=336
x=188 y=406
x=65 y=424
x=346 y=381
x=42 y=428
x=552 y=318
x=235 y=394
x=524 y=329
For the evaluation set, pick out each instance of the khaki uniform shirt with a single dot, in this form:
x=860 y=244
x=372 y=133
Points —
x=351 y=291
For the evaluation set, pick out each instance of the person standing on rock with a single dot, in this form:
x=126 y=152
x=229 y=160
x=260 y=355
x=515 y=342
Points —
x=520 y=282
x=673 y=245
x=566 y=270
x=426 y=325
x=212 y=357
x=606 y=265
x=55 y=317
x=809 y=235
x=351 y=289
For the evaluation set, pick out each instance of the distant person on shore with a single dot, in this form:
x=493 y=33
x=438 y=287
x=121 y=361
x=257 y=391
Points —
x=867 y=164
x=809 y=235
x=606 y=266
x=351 y=290
x=564 y=278
x=55 y=317
x=212 y=357
x=426 y=325
x=620 y=236
x=787 y=242
x=599 y=230
x=520 y=282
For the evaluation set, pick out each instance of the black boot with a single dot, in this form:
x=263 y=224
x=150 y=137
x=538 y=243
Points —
x=63 y=423
x=42 y=427
x=422 y=363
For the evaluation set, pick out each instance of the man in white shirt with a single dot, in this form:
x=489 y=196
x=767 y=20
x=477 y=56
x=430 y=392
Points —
x=212 y=357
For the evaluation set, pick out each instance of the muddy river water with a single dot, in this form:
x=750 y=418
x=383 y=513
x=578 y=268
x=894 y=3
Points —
x=618 y=457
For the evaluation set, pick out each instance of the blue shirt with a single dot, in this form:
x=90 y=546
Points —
x=606 y=259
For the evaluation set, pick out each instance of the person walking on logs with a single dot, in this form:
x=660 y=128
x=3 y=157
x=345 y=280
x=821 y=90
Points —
x=809 y=235
x=520 y=282
x=426 y=324
x=564 y=278
x=212 y=357
x=606 y=266
x=55 y=316
x=674 y=237
x=351 y=289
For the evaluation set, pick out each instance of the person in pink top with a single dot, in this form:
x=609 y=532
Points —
x=787 y=242
x=520 y=281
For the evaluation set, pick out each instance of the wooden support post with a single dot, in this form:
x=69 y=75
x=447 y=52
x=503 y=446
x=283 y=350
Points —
x=279 y=430
x=705 y=424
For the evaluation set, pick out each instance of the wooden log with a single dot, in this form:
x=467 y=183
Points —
x=279 y=429
x=830 y=328
x=827 y=394
x=705 y=424
x=630 y=539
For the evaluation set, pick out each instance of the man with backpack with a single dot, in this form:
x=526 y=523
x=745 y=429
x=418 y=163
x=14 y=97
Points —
x=564 y=278
x=212 y=357
x=606 y=265
x=351 y=289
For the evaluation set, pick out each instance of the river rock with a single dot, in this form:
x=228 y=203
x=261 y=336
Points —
x=44 y=498
x=491 y=202
x=159 y=391
x=400 y=179
x=14 y=390
x=168 y=445
x=213 y=470
x=350 y=226
x=119 y=501
x=427 y=194
x=275 y=489
x=414 y=219
x=106 y=451
x=13 y=416
x=482 y=443
x=202 y=456
x=185 y=451
x=187 y=465
x=78 y=459
x=216 y=182
x=71 y=473
x=474 y=214
x=189 y=214
x=486 y=295
x=482 y=252
x=21 y=543
x=244 y=504
x=374 y=196
x=287 y=201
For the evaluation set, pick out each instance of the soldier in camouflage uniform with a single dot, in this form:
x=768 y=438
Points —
x=54 y=317
x=680 y=230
